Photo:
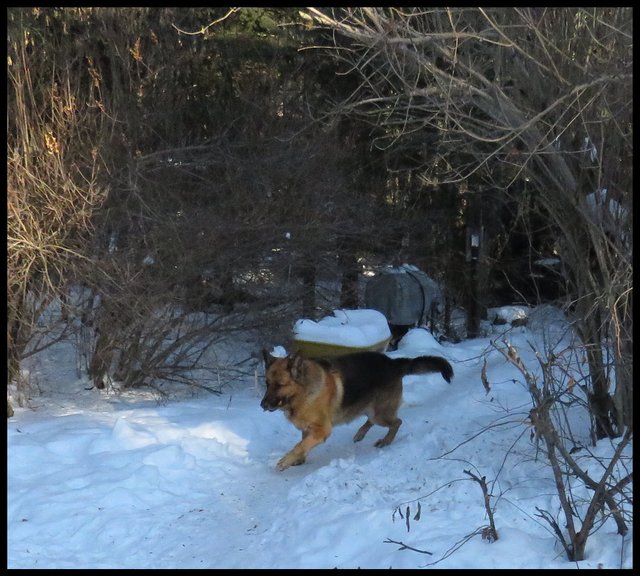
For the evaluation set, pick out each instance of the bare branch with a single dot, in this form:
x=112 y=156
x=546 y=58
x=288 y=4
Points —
x=204 y=29
x=404 y=546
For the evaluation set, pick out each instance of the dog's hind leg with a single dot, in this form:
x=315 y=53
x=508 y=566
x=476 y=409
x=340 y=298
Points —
x=385 y=412
x=362 y=431
x=393 y=426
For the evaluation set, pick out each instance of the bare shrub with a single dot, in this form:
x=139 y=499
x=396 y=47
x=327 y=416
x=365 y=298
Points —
x=606 y=488
x=592 y=477
x=535 y=102
x=52 y=186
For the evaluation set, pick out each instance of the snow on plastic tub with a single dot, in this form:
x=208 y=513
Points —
x=345 y=332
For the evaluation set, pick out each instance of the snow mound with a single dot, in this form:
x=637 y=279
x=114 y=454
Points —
x=418 y=341
x=508 y=314
x=355 y=328
x=278 y=352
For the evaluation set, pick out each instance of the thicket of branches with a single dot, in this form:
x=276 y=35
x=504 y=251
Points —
x=53 y=184
x=535 y=103
x=200 y=158
x=154 y=163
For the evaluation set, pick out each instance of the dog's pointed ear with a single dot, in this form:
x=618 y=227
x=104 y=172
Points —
x=268 y=359
x=296 y=366
x=307 y=372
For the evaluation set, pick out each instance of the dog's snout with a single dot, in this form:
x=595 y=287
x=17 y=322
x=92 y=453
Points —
x=266 y=403
x=270 y=404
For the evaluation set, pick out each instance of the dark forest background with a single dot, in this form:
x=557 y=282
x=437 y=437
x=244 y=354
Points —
x=253 y=163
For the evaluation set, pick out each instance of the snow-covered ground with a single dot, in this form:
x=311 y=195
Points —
x=104 y=480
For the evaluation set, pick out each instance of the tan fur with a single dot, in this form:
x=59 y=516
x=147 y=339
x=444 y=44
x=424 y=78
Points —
x=311 y=394
x=312 y=399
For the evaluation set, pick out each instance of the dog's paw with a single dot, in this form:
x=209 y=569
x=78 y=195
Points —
x=283 y=463
x=382 y=442
x=289 y=460
x=359 y=436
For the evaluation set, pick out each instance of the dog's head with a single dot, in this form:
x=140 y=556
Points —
x=290 y=378
x=283 y=377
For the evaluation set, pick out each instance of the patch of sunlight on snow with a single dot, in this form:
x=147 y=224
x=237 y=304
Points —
x=220 y=433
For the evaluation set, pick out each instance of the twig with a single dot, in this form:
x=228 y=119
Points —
x=483 y=376
x=551 y=521
x=404 y=546
x=205 y=28
x=491 y=534
x=455 y=547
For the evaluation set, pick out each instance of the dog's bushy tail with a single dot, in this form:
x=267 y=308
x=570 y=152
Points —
x=425 y=364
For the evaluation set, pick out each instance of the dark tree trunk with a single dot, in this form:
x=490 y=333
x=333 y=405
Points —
x=623 y=398
x=474 y=256
x=349 y=288
x=348 y=264
x=13 y=352
x=601 y=403
x=16 y=340
x=308 y=275
x=473 y=319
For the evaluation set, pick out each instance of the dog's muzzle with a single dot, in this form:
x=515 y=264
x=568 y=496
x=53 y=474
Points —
x=271 y=406
x=266 y=405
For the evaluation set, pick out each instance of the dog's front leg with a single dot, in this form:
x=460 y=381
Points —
x=311 y=437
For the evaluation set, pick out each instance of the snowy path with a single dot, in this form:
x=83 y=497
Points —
x=97 y=482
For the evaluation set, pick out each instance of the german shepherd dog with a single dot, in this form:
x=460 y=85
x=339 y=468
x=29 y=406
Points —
x=316 y=394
